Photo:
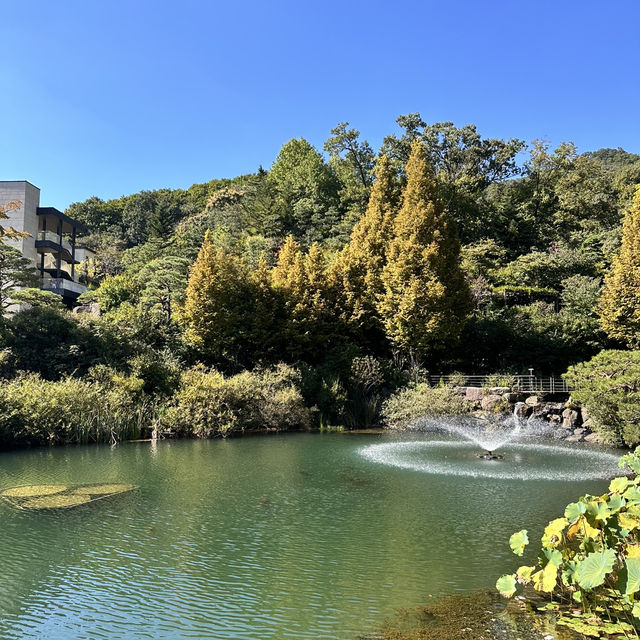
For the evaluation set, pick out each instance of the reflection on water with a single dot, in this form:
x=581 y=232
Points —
x=295 y=536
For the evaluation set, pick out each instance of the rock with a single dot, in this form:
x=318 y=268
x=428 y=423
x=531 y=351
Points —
x=562 y=434
x=574 y=438
x=499 y=391
x=522 y=410
x=555 y=419
x=570 y=418
x=532 y=401
x=92 y=309
x=579 y=431
x=473 y=394
x=491 y=402
x=511 y=397
x=594 y=438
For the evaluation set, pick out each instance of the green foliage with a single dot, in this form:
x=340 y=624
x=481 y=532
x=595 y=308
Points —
x=105 y=407
x=590 y=559
x=422 y=400
x=209 y=404
x=426 y=299
x=608 y=385
x=15 y=271
x=620 y=304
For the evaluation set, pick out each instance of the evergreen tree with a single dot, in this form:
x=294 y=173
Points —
x=16 y=272
x=218 y=305
x=302 y=282
x=357 y=270
x=425 y=298
x=620 y=302
x=163 y=283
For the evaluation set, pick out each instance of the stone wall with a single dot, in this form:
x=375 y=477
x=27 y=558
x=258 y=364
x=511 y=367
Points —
x=573 y=423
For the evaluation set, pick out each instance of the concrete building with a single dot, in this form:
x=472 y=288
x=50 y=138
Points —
x=51 y=244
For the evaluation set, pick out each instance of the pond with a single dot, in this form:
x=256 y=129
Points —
x=285 y=536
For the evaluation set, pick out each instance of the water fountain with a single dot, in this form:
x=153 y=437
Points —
x=516 y=448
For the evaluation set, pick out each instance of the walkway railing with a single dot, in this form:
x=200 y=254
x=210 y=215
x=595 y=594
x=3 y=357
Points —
x=524 y=383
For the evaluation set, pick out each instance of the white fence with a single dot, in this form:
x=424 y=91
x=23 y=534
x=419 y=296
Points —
x=525 y=383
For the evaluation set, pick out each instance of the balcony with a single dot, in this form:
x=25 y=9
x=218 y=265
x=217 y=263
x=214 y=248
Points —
x=63 y=287
x=50 y=236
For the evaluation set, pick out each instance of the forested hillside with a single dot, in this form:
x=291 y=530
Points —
x=357 y=271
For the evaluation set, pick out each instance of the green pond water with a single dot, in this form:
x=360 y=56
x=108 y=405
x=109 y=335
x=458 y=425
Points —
x=289 y=536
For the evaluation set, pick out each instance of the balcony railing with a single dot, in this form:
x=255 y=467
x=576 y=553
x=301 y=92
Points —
x=62 y=286
x=524 y=383
x=55 y=238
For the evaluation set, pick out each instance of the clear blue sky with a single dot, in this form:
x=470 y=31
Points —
x=107 y=98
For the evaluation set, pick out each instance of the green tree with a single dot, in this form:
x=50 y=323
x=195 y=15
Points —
x=16 y=272
x=163 y=283
x=426 y=299
x=217 y=309
x=620 y=302
x=357 y=270
x=306 y=201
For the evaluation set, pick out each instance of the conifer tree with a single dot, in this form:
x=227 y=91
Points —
x=620 y=301
x=217 y=309
x=425 y=299
x=301 y=280
x=357 y=270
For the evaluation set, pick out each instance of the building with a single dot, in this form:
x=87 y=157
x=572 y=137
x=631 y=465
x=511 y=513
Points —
x=51 y=244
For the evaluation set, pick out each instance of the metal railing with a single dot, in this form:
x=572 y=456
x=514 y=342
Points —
x=55 y=238
x=61 y=285
x=523 y=383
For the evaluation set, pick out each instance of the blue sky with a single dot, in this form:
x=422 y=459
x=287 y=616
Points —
x=107 y=98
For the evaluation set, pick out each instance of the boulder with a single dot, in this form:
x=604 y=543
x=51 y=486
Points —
x=532 y=401
x=92 y=309
x=594 y=438
x=555 y=419
x=579 y=431
x=473 y=394
x=491 y=402
x=574 y=438
x=499 y=391
x=570 y=418
x=522 y=410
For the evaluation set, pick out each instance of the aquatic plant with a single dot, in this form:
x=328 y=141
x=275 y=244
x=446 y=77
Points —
x=590 y=560
x=45 y=496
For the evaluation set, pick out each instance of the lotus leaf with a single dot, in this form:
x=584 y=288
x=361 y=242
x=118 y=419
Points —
x=574 y=511
x=632 y=494
x=524 y=574
x=33 y=490
x=594 y=568
x=506 y=585
x=553 y=532
x=598 y=510
x=518 y=541
x=627 y=521
x=615 y=502
x=629 y=577
x=101 y=489
x=545 y=580
x=55 y=501
x=619 y=484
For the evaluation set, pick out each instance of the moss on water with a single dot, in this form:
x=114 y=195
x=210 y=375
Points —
x=33 y=490
x=34 y=497
x=482 y=615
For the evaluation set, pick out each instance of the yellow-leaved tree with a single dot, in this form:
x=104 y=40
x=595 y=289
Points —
x=620 y=301
x=218 y=305
x=357 y=270
x=426 y=299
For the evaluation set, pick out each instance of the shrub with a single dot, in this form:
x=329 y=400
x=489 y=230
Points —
x=106 y=407
x=209 y=404
x=419 y=401
x=590 y=560
x=608 y=385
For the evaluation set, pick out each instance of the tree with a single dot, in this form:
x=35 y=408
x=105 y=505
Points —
x=306 y=202
x=9 y=233
x=463 y=163
x=426 y=299
x=163 y=282
x=358 y=268
x=352 y=162
x=620 y=302
x=217 y=309
x=15 y=272
x=302 y=282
